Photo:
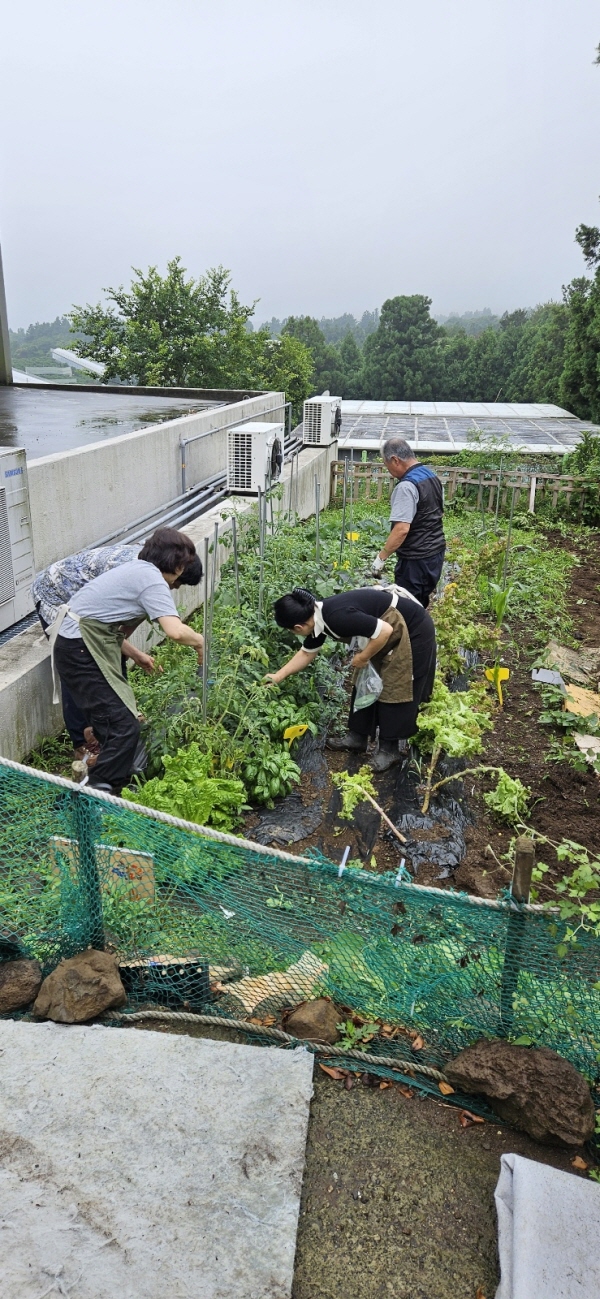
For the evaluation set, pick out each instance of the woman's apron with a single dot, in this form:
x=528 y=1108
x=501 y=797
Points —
x=104 y=641
x=394 y=663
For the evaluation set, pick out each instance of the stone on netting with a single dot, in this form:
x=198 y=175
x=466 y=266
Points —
x=532 y=1088
x=19 y=983
x=81 y=988
x=314 y=1020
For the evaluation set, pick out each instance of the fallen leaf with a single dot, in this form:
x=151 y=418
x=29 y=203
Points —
x=348 y=1082
x=406 y=1092
x=384 y=1085
x=466 y=1118
x=417 y=1043
x=578 y=1162
x=446 y=1089
x=332 y=1073
x=480 y=1294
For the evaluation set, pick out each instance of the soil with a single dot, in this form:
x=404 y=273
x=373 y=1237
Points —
x=565 y=802
x=398 y=1196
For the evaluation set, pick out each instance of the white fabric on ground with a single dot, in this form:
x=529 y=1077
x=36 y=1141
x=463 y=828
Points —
x=548 y=1232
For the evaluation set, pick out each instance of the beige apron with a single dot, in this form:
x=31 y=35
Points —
x=104 y=641
x=394 y=663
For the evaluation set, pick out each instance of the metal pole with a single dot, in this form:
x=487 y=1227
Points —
x=213 y=576
x=508 y=537
x=236 y=568
x=261 y=550
x=205 y=632
x=499 y=486
x=343 y=532
x=297 y=485
x=317 y=512
x=183 y=473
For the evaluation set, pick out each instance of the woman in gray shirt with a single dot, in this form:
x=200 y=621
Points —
x=87 y=637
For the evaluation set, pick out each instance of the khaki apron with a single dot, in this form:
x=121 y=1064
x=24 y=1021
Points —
x=394 y=663
x=104 y=641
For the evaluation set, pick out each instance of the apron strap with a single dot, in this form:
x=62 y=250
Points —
x=53 y=632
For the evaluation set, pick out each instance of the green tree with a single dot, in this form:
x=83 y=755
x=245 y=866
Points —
x=539 y=357
x=351 y=359
x=328 y=369
x=171 y=331
x=402 y=358
x=286 y=364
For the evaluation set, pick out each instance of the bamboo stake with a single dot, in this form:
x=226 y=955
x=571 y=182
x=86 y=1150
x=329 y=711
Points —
x=383 y=815
x=235 y=560
x=205 y=632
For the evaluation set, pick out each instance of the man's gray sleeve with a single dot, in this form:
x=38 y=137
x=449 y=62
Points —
x=403 y=507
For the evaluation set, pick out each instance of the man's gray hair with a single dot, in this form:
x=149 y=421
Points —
x=397 y=447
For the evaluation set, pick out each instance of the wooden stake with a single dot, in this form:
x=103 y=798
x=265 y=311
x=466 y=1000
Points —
x=524 y=860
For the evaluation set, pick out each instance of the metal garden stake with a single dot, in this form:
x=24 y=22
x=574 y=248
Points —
x=345 y=490
x=235 y=560
x=317 y=512
x=205 y=632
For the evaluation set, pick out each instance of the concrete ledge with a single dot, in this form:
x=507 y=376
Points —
x=77 y=497
x=27 y=714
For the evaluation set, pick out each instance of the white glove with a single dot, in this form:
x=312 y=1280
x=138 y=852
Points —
x=377 y=565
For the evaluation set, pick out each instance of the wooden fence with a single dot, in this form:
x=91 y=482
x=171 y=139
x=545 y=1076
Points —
x=370 y=481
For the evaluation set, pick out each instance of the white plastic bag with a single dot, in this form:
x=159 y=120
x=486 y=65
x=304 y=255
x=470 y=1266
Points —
x=368 y=687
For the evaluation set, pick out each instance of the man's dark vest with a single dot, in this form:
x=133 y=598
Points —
x=426 y=536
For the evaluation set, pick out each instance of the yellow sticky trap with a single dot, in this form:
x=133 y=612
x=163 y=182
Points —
x=294 y=733
x=352 y=536
x=496 y=675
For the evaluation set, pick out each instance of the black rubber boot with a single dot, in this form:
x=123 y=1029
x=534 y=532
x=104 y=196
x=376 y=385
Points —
x=350 y=741
x=388 y=754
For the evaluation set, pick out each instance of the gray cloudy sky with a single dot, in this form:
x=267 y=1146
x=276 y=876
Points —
x=332 y=153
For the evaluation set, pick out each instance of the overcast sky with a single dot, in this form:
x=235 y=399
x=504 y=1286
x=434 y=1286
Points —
x=331 y=153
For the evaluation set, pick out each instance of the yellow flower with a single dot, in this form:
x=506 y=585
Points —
x=496 y=675
x=294 y=733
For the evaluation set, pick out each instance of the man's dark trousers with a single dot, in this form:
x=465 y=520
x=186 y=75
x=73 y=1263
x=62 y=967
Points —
x=419 y=576
x=115 y=727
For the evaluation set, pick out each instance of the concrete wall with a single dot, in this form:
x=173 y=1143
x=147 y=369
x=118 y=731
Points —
x=77 y=497
x=27 y=714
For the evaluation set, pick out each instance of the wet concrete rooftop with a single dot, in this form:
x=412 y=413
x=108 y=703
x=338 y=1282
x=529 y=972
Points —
x=45 y=420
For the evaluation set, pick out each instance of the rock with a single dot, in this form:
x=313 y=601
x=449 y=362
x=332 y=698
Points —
x=532 y=1088
x=81 y=988
x=19 y=983
x=315 y=1020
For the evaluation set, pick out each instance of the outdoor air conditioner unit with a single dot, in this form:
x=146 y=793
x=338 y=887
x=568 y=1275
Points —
x=254 y=457
x=322 y=420
x=16 y=543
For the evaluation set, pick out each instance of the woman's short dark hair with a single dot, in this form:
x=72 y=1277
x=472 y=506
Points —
x=168 y=549
x=192 y=573
x=295 y=608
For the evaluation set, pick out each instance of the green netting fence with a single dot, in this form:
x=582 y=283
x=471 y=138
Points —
x=209 y=924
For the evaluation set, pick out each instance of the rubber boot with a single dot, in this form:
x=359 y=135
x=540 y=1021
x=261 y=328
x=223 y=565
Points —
x=388 y=754
x=351 y=741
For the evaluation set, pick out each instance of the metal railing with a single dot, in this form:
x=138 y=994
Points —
x=286 y=407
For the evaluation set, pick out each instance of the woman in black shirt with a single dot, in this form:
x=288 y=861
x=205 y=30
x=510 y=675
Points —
x=399 y=637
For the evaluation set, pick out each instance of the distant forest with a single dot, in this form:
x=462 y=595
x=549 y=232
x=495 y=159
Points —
x=175 y=330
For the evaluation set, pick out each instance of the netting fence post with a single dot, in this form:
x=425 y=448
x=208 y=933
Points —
x=515 y=937
x=87 y=825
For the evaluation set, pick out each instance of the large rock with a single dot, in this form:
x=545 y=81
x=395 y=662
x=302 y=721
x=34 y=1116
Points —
x=532 y=1088
x=315 y=1020
x=19 y=984
x=81 y=988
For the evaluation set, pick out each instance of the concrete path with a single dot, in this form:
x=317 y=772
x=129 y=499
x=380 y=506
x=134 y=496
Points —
x=148 y=1166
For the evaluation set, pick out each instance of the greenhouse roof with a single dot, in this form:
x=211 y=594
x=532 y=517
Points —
x=449 y=426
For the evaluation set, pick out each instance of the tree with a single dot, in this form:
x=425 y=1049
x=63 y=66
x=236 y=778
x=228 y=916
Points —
x=286 y=364
x=402 y=359
x=579 y=386
x=351 y=359
x=328 y=369
x=171 y=331
x=539 y=358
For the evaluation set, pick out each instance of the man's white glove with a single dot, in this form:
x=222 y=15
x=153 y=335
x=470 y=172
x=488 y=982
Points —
x=377 y=565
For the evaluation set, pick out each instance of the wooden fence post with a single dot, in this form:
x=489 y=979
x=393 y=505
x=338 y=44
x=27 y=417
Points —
x=516 y=932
